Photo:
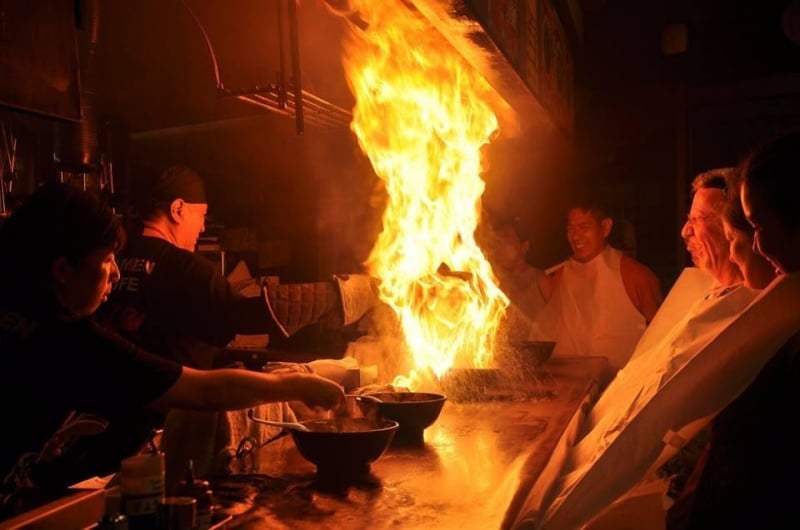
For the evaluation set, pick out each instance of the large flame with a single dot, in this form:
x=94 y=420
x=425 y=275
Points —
x=422 y=116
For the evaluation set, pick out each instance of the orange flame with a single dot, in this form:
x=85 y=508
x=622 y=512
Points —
x=422 y=116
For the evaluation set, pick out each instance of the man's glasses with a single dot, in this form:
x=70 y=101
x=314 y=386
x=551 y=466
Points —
x=694 y=219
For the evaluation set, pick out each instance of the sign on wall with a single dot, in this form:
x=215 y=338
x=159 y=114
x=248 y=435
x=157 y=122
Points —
x=532 y=37
x=555 y=65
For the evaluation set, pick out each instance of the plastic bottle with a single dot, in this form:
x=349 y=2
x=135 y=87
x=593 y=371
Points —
x=142 y=489
x=113 y=518
x=191 y=486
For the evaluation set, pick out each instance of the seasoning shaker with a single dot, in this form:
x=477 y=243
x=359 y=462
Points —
x=113 y=518
x=200 y=490
x=142 y=489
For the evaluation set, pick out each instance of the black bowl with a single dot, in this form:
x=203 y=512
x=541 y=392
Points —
x=344 y=447
x=414 y=411
x=532 y=353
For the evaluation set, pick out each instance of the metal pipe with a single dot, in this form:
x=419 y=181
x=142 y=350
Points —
x=5 y=154
x=217 y=79
x=273 y=106
x=316 y=110
x=281 y=41
x=2 y=187
x=298 y=86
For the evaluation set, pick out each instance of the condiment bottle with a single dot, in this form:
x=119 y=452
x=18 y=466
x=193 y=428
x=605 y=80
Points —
x=177 y=513
x=113 y=518
x=191 y=486
x=142 y=488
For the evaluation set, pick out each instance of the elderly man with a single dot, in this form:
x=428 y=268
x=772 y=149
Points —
x=716 y=275
x=698 y=353
x=601 y=300
x=751 y=454
x=703 y=231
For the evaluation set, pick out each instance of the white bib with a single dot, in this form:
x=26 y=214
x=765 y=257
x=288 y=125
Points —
x=590 y=312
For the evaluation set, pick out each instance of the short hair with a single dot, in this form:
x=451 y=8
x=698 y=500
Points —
x=155 y=190
x=771 y=171
x=715 y=179
x=592 y=204
x=511 y=225
x=57 y=220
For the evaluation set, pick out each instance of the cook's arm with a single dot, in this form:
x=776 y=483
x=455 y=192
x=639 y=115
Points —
x=234 y=389
x=284 y=309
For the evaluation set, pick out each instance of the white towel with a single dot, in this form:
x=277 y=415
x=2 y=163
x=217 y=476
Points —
x=212 y=439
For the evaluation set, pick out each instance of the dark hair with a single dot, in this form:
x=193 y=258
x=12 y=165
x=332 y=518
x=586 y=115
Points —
x=771 y=171
x=154 y=190
x=732 y=211
x=510 y=224
x=714 y=179
x=57 y=220
x=592 y=204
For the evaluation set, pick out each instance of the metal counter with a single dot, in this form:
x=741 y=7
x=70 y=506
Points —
x=475 y=469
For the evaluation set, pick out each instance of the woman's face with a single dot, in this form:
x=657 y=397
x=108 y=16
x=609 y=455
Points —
x=757 y=271
x=86 y=284
x=771 y=239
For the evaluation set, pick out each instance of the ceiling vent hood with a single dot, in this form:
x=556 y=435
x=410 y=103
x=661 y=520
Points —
x=194 y=62
x=459 y=23
x=521 y=49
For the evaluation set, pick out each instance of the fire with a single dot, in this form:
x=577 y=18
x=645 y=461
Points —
x=422 y=116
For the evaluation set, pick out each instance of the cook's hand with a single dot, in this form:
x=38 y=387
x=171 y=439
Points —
x=317 y=391
x=358 y=293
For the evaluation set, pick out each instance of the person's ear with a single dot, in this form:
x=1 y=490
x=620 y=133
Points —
x=61 y=270
x=606 y=225
x=176 y=210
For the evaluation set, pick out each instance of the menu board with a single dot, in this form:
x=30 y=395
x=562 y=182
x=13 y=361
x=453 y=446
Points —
x=555 y=64
x=505 y=27
x=533 y=39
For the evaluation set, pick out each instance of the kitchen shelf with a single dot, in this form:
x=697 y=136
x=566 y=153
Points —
x=316 y=110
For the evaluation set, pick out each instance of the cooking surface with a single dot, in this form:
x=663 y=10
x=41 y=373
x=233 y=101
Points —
x=477 y=464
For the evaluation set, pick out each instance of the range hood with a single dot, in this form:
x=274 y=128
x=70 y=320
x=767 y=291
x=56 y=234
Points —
x=464 y=24
x=197 y=62
x=460 y=25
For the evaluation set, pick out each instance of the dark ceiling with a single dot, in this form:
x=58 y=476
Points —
x=727 y=40
x=156 y=68
x=160 y=62
x=624 y=77
x=155 y=76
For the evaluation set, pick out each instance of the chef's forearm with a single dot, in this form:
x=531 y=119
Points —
x=252 y=316
x=230 y=389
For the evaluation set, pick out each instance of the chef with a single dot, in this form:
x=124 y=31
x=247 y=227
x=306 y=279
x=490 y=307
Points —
x=66 y=380
x=524 y=284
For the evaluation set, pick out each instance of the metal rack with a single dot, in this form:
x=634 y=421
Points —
x=316 y=110
x=284 y=96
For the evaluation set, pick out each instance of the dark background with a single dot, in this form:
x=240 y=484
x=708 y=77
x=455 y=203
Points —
x=645 y=120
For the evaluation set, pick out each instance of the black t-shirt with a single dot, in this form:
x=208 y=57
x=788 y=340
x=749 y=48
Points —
x=54 y=370
x=173 y=301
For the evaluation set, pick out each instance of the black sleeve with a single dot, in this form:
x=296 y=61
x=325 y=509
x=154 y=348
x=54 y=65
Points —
x=208 y=305
x=110 y=374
